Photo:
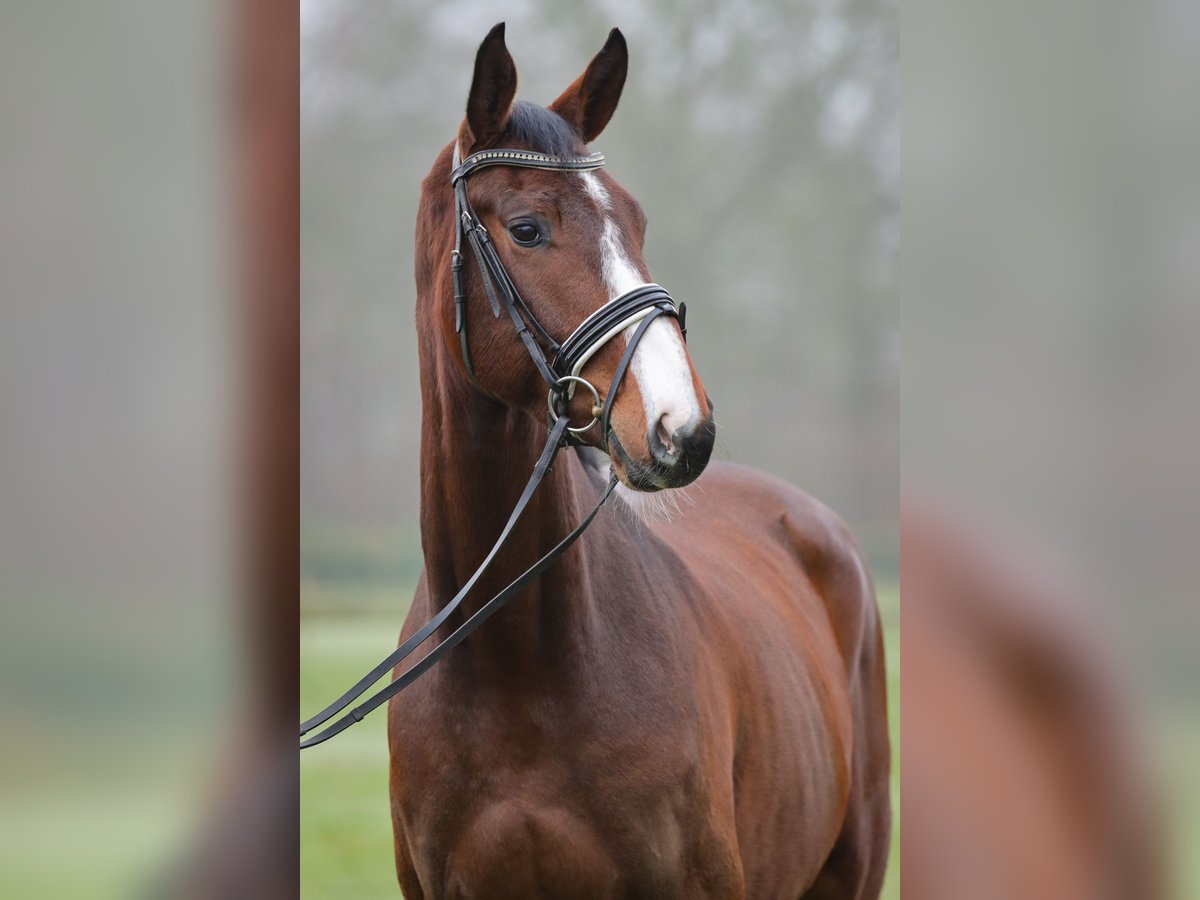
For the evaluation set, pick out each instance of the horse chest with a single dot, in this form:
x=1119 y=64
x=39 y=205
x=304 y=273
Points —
x=532 y=800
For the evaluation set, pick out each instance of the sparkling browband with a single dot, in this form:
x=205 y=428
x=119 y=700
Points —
x=527 y=159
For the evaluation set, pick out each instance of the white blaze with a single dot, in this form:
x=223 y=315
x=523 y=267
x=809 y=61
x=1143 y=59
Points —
x=660 y=364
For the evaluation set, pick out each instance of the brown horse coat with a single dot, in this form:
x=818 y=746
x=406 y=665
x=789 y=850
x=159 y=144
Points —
x=689 y=708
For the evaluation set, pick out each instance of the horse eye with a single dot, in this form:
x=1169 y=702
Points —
x=525 y=233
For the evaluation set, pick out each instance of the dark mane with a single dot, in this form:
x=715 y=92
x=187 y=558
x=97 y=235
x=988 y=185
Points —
x=543 y=130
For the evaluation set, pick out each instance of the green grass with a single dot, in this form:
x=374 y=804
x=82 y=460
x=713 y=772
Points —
x=345 y=832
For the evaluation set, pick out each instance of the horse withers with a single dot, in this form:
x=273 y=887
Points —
x=691 y=707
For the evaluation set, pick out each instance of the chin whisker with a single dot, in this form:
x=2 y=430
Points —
x=645 y=507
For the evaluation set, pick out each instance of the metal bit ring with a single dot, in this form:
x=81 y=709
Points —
x=575 y=379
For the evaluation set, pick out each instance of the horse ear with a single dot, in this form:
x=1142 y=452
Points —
x=493 y=88
x=589 y=103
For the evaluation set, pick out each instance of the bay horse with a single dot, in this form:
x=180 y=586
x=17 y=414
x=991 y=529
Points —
x=683 y=708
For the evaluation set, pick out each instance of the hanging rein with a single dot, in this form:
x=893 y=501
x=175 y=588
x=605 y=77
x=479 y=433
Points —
x=559 y=366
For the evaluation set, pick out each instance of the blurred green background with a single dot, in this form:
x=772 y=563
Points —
x=764 y=131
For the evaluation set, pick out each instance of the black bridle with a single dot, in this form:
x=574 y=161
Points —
x=559 y=364
x=561 y=371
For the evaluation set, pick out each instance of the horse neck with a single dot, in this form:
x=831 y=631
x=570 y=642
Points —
x=476 y=458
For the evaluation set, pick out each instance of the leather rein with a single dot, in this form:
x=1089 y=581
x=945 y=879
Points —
x=559 y=364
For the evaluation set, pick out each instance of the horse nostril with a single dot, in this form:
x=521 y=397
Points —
x=679 y=455
x=664 y=437
x=666 y=444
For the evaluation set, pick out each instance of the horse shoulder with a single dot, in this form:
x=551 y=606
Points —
x=780 y=514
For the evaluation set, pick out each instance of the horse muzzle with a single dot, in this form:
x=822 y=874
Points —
x=670 y=461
